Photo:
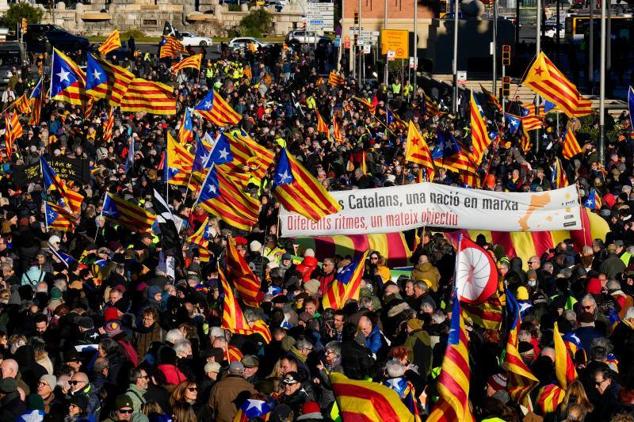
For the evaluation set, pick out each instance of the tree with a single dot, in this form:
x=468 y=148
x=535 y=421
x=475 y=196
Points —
x=17 y=11
x=257 y=23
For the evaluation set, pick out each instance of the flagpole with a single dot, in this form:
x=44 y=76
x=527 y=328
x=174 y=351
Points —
x=602 y=84
x=455 y=57
x=203 y=185
x=103 y=205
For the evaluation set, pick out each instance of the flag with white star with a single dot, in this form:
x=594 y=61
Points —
x=105 y=80
x=68 y=82
x=215 y=109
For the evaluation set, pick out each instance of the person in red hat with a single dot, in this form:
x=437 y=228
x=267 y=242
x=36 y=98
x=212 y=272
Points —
x=310 y=412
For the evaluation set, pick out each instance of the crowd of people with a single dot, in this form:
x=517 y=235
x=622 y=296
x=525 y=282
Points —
x=111 y=336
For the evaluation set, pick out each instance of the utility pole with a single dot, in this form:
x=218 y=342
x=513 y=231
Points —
x=415 y=45
x=360 y=49
x=495 y=46
x=538 y=48
x=385 y=68
x=602 y=84
x=591 y=49
x=455 y=57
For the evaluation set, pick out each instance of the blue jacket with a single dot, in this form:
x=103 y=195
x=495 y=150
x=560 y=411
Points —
x=374 y=341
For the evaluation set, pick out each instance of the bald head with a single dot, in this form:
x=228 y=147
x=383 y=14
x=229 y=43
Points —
x=365 y=325
x=9 y=368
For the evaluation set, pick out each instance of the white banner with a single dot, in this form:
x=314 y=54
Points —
x=399 y=208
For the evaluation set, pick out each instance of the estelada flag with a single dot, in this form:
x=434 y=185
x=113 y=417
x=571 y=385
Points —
x=417 y=150
x=111 y=43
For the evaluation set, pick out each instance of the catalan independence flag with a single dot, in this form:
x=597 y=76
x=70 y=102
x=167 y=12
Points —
x=232 y=316
x=322 y=127
x=334 y=79
x=111 y=43
x=22 y=104
x=12 y=131
x=347 y=284
x=480 y=139
x=191 y=62
x=520 y=380
x=570 y=146
x=559 y=178
x=171 y=47
x=132 y=216
x=417 y=150
x=593 y=201
x=455 y=374
x=36 y=99
x=221 y=197
x=546 y=80
x=368 y=401
x=68 y=81
x=57 y=218
x=550 y=397
x=252 y=409
x=67 y=197
x=564 y=365
x=186 y=129
x=105 y=80
x=246 y=282
x=179 y=162
x=299 y=191
x=262 y=328
x=108 y=125
x=245 y=153
x=149 y=97
x=216 y=110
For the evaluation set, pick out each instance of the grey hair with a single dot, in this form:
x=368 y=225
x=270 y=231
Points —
x=613 y=285
x=599 y=348
x=174 y=335
x=335 y=347
x=589 y=298
x=181 y=346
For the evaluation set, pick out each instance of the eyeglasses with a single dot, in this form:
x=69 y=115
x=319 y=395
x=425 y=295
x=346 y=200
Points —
x=145 y=377
x=43 y=383
x=374 y=258
x=130 y=411
x=75 y=382
x=194 y=388
x=598 y=383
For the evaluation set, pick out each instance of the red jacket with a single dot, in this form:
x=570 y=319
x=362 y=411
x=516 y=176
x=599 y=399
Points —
x=307 y=267
x=173 y=375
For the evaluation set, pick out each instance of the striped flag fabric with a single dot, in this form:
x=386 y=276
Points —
x=262 y=328
x=524 y=141
x=22 y=104
x=191 y=62
x=36 y=99
x=593 y=201
x=368 y=401
x=105 y=80
x=559 y=177
x=132 y=216
x=12 y=131
x=108 y=125
x=521 y=379
x=216 y=110
x=68 y=81
x=531 y=122
x=298 y=191
x=246 y=282
x=252 y=409
x=492 y=99
x=455 y=373
x=67 y=197
x=149 y=97
x=179 y=162
x=334 y=79
x=417 y=150
x=171 y=48
x=322 y=127
x=570 y=146
x=234 y=354
x=565 y=370
x=370 y=105
x=488 y=315
x=202 y=235
x=57 y=218
x=247 y=152
x=336 y=130
x=431 y=108
x=233 y=318
x=221 y=197
x=550 y=397
x=346 y=285
x=186 y=129
x=546 y=80
x=111 y=43
x=480 y=139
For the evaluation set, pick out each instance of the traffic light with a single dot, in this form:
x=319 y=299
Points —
x=506 y=55
x=356 y=18
x=506 y=86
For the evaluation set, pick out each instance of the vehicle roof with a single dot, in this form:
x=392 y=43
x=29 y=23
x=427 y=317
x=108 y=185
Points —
x=9 y=45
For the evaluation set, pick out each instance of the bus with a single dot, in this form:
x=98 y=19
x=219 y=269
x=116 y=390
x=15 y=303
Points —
x=578 y=26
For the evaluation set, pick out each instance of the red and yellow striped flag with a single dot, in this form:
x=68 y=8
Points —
x=171 y=48
x=260 y=327
x=570 y=146
x=57 y=218
x=132 y=216
x=417 y=150
x=246 y=282
x=150 y=97
x=480 y=139
x=334 y=79
x=234 y=354
x=232 y=316
x=112 y=86
x=564 y=366
x=455 y=374
x=559 y=174
x=336 y=130
x=22 y=104
x=368 y=401
x=12 y=132
x=322 y=127
x=346 y=285
x=550 y=397
x=191 y=62
x=108 y=126
x=247 y=153
x=111 y=43
x=545 y=79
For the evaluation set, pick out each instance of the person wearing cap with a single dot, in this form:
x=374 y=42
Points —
x=212 y=370
x=310 y=412
x=77 y=408
x=293 y=394
x=224 y=393
x=419 y=349
x=612 y=265
x=11 y=405
x=257 y=262
x=251 y=365
x=123 y=409
x=81 y=388
x=52 y=397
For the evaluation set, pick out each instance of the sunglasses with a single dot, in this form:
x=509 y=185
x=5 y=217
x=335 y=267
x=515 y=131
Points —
x=192 y=388
x=74 y=382
x=130 y=411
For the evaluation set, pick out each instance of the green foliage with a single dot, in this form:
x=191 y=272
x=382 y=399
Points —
x=135 y=33
x=257 y=23
x=17 y=11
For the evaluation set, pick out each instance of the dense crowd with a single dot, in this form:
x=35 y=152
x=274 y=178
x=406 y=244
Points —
x=110 y=336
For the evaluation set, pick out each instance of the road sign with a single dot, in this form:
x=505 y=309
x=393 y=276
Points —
x=397 y=41
x=462 y=76
x=320 y=16
x=367 y=49
x=391 y=55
